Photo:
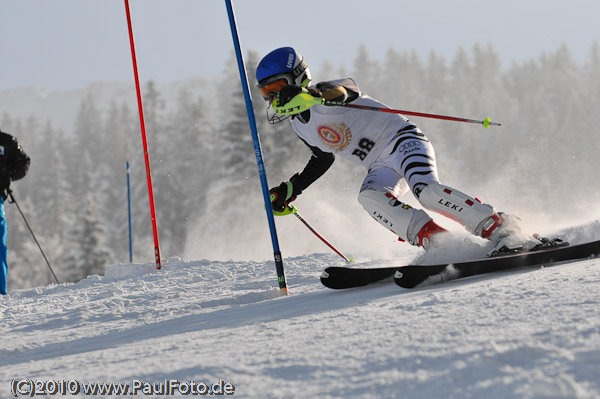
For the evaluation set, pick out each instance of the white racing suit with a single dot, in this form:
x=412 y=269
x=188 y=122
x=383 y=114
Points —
x=398 y=157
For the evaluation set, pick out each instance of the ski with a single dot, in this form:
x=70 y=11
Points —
x=412 y=276
x=339 y=277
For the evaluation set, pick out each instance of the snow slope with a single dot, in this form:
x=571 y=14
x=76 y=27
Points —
x=525 y=334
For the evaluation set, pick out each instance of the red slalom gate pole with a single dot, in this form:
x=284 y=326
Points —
x=144 y=140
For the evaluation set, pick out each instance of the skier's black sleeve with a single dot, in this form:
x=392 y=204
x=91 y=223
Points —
x=319 y=163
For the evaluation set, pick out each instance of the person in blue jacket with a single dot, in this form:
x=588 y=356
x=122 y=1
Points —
x=14 y=164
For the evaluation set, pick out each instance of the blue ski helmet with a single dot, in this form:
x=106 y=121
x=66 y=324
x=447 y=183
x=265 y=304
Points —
x=284 y=62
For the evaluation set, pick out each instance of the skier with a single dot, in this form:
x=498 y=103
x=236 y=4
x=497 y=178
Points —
x=396 y=153
x=14 y=164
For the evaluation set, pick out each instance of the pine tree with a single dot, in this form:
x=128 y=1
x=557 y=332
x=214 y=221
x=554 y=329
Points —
x=366 y=71
x=239 y=163
x=120 y=127
x=401 y=81
x=197 y=149
x=89 y=253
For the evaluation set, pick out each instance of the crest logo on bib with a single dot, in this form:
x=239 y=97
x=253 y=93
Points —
x=336 y=136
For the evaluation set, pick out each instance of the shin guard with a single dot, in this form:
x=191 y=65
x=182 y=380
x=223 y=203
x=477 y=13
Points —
x=402 y=219
x=466 y=210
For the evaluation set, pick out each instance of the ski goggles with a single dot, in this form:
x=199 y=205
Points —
x=269 y=90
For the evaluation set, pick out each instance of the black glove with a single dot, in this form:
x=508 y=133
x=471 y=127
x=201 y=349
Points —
x=285 y=193
x=288 y=92
x=4 y=183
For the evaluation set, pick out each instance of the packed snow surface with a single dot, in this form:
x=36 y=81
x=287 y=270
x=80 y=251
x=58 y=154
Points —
x=531 y=333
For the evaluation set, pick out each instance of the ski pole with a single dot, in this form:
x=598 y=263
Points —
x=12 y=200
x=295 y=212
x=305 y=100
x=486 y=122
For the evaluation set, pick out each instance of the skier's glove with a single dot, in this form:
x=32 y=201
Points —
x=285 y=193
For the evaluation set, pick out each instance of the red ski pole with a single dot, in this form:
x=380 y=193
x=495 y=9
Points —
x=305 y=100
x=486 y=122
x=295 y=212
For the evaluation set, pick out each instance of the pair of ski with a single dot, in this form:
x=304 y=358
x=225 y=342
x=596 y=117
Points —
x=415 y=275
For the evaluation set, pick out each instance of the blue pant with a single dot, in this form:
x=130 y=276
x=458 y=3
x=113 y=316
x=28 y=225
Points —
x=3 y=249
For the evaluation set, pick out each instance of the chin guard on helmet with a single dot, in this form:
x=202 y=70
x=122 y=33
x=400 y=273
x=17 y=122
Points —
x=274 y=117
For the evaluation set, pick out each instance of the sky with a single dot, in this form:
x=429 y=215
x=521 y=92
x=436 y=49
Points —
x=66 y=44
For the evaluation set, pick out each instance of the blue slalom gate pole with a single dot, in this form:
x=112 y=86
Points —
x=129 y=215
x=283 y=290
